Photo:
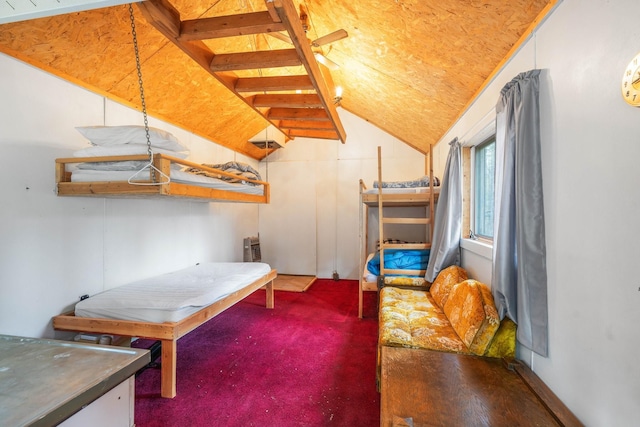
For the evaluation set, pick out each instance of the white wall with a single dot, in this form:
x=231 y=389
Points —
x=590 y=149
x=332 y=194
x=55 y=249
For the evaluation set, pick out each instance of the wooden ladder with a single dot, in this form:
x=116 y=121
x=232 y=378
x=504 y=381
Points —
x=427 y=221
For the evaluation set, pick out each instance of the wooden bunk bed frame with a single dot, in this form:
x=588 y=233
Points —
x=167 y=333
x=162 y=163
x=380 y=200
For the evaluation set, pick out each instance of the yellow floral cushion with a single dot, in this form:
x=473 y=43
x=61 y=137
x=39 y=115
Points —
x=410 y=318
x=503 y=343
x=405 y=281
x=446 y=279
x=472 y=314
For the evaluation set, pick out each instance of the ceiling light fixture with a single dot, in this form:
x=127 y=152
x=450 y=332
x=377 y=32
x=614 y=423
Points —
x=338 y=98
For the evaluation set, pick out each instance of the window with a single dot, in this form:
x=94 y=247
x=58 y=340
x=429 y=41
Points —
x=484 y=158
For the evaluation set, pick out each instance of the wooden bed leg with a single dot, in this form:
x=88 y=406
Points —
x=168 y=368
x=270 y=297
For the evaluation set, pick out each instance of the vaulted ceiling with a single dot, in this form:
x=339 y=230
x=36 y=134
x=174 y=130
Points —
x=410 y=67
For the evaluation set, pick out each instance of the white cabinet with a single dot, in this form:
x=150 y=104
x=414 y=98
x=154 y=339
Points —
x=113 y=409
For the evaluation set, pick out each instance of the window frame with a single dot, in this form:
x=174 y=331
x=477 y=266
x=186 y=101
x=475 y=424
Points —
x=473 y=190
x=481 y=131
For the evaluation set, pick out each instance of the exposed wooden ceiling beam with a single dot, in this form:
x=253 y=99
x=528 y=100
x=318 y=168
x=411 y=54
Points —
x=272 y=11
x=274 y=84
x=280 y=15
x=289 y=16
x=255 y=60
x=287 y=100
x=304 y=124
x=229 y=26
x=298 y=114
x=321 y=134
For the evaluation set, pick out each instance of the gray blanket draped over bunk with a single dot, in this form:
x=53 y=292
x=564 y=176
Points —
x=420 y=182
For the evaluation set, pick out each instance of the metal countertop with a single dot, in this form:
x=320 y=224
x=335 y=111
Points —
x=43 y=381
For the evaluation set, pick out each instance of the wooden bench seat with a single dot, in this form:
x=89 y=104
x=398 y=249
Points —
x=432 y=388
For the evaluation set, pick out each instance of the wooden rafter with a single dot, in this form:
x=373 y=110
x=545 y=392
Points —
x=229 y=26
x=255 y=60
x=287 y=100
x=289 y=17
x=303 y=124
x=315 y=105
x=274 y=84
x=309 y=114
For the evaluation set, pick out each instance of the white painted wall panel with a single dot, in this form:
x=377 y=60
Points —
x=589 y=152
x=56 y=249
x=338 y=169
x=288 y=223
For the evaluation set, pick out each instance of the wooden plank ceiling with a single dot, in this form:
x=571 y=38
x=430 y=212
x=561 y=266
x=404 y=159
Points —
x=224 y=70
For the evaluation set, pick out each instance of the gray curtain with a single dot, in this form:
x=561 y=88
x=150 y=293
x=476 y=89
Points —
x=447 y=228
x=519 y=279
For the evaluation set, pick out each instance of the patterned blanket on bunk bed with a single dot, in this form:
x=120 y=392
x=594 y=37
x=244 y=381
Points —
x=420 y=182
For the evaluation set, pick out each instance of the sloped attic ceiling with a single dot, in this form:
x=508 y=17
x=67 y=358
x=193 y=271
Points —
x=408 y=66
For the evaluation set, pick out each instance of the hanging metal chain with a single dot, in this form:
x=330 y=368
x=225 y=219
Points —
x=142 y=99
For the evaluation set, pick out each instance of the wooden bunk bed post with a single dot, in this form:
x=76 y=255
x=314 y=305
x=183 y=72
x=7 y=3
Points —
x=363 y=236
x=168 y=368
x=164 y=167
x=380 y=212
x=432 y=198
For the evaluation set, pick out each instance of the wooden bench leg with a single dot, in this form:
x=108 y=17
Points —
x=270 y=296
x=168 y=368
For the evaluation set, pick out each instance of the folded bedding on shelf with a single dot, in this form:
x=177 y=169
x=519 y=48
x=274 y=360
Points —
x=125 y=150
x=132 y=135
x=400 y=259
x=172 y=296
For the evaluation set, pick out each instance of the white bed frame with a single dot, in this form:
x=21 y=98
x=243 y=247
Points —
x=167 y=333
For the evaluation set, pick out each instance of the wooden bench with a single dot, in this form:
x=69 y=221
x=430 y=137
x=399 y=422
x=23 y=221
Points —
x=432 y=388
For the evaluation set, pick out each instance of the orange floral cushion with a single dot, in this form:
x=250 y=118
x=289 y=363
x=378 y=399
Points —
x=446 y=279
x=472 y=314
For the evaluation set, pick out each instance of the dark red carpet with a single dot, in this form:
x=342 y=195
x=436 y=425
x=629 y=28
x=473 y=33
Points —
x=308 y=362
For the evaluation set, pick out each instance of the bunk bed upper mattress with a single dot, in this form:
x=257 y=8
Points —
x=172 y=296
x=178 y=176
x=400 y=190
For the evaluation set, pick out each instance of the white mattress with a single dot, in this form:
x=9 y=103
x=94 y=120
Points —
x=172 y=296
x=89 y=175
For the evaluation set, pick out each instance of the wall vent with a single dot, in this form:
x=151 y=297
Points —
x=266 y=144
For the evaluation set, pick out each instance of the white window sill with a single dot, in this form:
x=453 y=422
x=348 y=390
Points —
x=478 y=247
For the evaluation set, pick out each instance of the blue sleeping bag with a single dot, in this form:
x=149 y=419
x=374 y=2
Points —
x=400 y=259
